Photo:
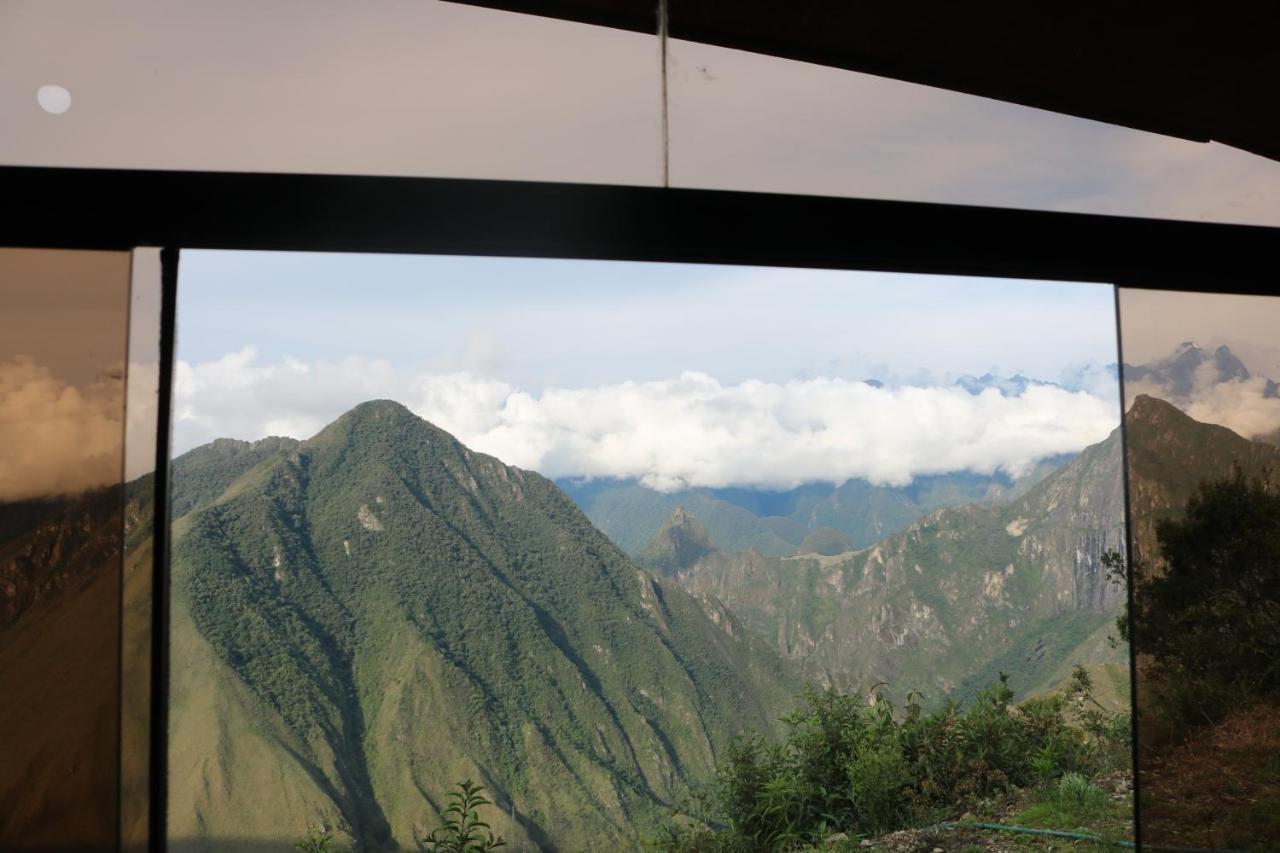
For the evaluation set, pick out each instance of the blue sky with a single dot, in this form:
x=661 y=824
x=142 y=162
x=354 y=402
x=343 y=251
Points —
x=539 y=322
x=677 y=375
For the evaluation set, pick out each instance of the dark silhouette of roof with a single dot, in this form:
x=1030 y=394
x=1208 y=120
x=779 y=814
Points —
x=1200 y=71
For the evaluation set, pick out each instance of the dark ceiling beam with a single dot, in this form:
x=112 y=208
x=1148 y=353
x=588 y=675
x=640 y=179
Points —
x=1199 y=71
x=120 y=209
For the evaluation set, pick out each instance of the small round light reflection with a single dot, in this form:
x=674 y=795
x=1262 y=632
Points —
x=54 y=99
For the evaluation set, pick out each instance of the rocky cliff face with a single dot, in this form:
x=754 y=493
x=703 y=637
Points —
x=938 y=606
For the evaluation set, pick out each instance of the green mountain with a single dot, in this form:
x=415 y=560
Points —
x=365 y=618
x=1170 y=454
x=962 y=594
x=825 y=542
x=776 y=523
x=680 y=543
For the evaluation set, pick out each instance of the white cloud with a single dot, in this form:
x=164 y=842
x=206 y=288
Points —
x=691 y=430
x=56 y=438
x=1238 y=405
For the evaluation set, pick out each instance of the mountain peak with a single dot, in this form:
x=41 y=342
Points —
x=380 y=410
x=679 y=543
x=1178 y=373
x=1145 y=408
x=376 y=420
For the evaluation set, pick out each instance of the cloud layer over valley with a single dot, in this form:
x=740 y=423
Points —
x=687 y=430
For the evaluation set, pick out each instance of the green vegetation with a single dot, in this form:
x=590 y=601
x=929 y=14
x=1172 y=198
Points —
x=826 y=541
x=380 y=575
x=776 y=523
x=1210 y=621
x=333 y=594
x=1206 y=629
x=851 y=765
x=463 y=831
x=678 y=545
x=961 y=595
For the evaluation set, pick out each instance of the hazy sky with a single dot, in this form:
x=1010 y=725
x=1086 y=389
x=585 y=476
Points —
x=1155 y=321
x=677 y=374
x=430 y=88
x=63 y=334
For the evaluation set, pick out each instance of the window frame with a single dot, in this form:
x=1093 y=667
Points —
x=126 y=209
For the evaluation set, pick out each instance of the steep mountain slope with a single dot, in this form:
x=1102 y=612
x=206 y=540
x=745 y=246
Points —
x=775 y=523
x=1170 y=454
x=49 y=546
x=943 y=606
x=197 y=478
x=60 y=563
x=369 y=616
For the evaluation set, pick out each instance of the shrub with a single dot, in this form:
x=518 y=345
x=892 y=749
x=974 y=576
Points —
x=850 y=764
x=1210 y=619
x=463 y=831
x=1077 y=792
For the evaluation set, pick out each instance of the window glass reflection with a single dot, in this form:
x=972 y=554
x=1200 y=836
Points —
x=743 y=121
x=63 y=317
x=1202 y=426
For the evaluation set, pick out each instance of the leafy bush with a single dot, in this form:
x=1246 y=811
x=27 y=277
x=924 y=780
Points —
x=852 y=764
x=1207 y=617
x=463 y=831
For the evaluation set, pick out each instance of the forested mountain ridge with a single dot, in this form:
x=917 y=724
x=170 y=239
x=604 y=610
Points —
x=51 y=545
x=775 y=523
x=378 y=612
x=962 y=594
x=1171 y=454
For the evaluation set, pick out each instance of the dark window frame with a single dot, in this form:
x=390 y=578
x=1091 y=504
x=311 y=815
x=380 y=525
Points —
x=125 y=209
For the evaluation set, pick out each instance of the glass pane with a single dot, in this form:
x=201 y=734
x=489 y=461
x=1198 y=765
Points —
x=743 y=121
x=140 y=456
x=565 y=528
x=63 y=324
x=396 y=88
x=1202 y=427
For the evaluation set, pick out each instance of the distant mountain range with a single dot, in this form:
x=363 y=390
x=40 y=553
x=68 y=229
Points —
x=776 y=523
x=944 y=605
x=1175 y=377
